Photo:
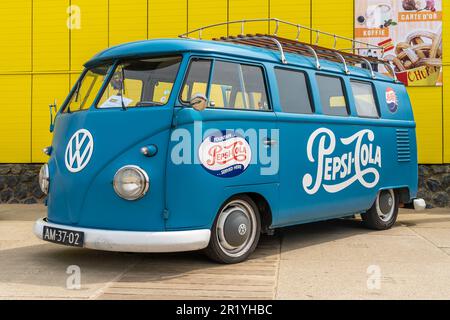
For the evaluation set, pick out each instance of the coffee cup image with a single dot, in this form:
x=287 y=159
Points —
x=377 y=15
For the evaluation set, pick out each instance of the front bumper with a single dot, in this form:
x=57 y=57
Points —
x=135 y=241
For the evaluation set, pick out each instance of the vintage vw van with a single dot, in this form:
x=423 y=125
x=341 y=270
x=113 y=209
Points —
x=179 y=144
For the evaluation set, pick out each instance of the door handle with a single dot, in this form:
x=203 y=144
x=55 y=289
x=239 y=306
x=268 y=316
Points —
x=269 y=142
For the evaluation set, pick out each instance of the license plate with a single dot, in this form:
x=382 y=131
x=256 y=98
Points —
x=63 y=236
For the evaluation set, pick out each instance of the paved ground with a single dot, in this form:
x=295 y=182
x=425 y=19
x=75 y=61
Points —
x=330 y=260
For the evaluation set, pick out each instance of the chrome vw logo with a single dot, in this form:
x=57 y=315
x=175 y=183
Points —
x=79 y=150
x=242 y=229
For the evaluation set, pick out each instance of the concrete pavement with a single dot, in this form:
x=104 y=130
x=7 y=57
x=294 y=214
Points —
x=329 y=260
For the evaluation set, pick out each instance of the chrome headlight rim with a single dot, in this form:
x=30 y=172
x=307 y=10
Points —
x=144 y=177
x=44 y=179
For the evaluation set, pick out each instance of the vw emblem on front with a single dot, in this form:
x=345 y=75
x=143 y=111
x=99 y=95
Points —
x=79 y=150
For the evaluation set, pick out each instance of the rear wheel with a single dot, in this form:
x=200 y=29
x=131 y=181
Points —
x=236 y=230
x=383 y=213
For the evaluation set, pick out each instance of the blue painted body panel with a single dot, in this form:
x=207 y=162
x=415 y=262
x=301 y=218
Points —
x=187 y=196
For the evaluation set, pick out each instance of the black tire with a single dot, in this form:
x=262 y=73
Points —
x=384 y=211
x=238 y=218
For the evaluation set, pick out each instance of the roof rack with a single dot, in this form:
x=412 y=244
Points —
x=274 y=42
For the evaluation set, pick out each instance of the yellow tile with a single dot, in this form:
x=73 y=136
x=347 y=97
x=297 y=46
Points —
x=335 y=17
x=427 y=106
x=167 y=18
x=15 y=128
x=446 y=97
x=46 y=88
x=249 y=9
x=15 y=23
x=50 y=35
x=127 y=21
x=202 y=13
x=295 y=11
x=92 y=34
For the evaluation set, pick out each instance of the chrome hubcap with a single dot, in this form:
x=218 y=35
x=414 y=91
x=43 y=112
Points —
x=236 y=230
x=385 y=204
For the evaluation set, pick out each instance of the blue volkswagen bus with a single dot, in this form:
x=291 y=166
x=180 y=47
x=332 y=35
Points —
x=180 y=144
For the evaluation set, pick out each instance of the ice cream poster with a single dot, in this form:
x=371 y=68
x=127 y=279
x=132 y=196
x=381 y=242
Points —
x=410 y=33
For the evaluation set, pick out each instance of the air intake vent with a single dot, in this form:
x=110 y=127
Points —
x=403 y=147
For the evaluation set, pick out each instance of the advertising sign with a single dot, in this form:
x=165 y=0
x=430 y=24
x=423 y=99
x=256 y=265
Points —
x=410 y=32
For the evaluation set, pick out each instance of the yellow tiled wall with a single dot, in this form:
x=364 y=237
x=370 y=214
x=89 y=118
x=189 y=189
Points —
x=167 y=18
x=427 y=105
x=50 y=35
x=92 y=34
x=296 y=11
x=203 y=13
x=42 y=57
x=16 y=34
x=127 y=21
x=335 y=17
x=45 y=86
x=249 y=9
x=15 y=128
x=446 y=114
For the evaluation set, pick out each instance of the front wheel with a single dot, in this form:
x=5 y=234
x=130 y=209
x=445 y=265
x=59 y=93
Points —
x=383 y=213
x=236 y=230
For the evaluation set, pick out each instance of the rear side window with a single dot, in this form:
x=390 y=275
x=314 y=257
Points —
x=332 y=95
x=364 y=99
x=293 y=91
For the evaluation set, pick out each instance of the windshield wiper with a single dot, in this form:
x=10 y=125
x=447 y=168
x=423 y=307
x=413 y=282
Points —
x=76 y=93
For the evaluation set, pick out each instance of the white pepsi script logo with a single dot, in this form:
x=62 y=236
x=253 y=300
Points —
x=225 y=154
x=337 y=172
x=79 y=150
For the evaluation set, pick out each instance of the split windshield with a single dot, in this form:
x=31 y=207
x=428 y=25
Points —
x=134 y=83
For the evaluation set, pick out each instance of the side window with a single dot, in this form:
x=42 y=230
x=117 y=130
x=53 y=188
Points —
x=226 y=80
x=255 y=87
x=364 y=99
x=238 y=86
x=196 y=82
x=293 y=91
x=332 y=95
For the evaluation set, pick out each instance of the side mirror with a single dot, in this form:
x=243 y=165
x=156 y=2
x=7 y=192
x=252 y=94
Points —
x=52 y=117
x=199 y=102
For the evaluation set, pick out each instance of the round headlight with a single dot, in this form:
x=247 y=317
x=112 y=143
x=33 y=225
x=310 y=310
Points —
x=131 y=182
x=44 y=178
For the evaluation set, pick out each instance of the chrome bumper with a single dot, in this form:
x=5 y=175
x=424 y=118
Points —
x=135 y=241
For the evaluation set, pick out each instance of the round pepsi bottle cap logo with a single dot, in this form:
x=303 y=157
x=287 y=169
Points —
x=225 y=154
